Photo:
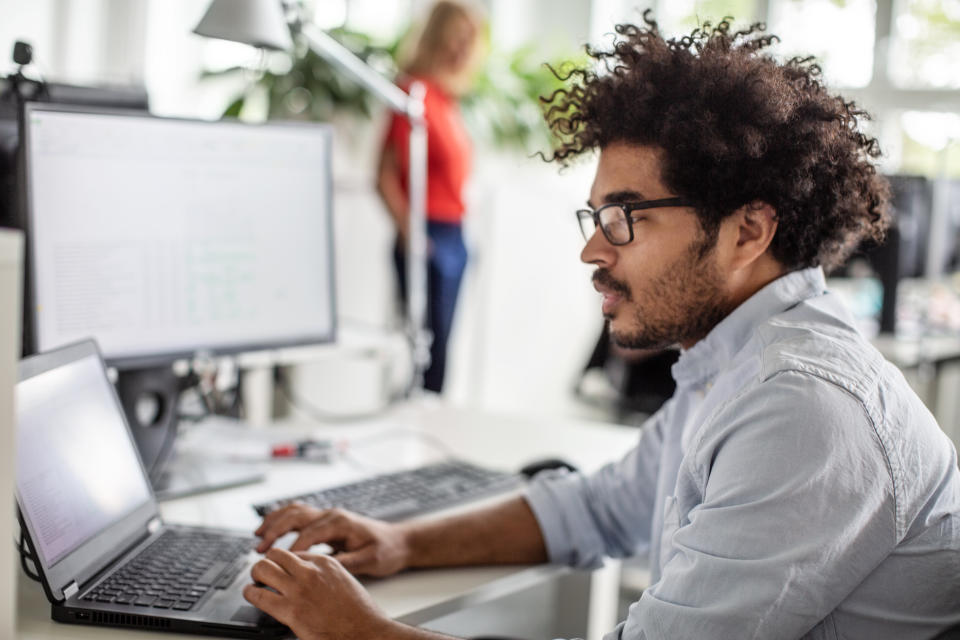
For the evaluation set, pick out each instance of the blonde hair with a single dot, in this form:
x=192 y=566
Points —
x=439 y=45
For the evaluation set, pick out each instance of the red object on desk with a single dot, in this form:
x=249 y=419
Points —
x=284 y=451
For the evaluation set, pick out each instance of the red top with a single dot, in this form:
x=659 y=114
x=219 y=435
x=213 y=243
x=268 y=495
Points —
x=448 y=153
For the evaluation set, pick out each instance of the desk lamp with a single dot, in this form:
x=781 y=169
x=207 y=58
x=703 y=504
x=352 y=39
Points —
x=267 y=24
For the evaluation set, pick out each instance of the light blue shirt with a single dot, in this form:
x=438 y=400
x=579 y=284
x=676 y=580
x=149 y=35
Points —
x=794 y=486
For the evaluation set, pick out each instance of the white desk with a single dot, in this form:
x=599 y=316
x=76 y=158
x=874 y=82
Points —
x=415 y=597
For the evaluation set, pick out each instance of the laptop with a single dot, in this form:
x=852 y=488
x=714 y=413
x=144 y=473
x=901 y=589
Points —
x=104 y=555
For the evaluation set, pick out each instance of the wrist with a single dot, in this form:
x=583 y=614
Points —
x=407 y=543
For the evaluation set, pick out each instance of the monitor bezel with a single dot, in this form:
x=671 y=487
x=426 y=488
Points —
x=95 y=553
x=148 y=360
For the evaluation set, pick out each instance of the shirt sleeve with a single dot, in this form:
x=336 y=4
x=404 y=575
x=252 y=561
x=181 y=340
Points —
x=608 y=513
x=789 y=505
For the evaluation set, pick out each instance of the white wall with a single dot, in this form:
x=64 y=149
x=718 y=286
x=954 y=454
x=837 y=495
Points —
x=551 y=26
x=80 y=41
x=529 y=317
x=32 y=21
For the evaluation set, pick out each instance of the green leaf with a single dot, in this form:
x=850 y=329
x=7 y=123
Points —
x=503 y=109
x=233 y=111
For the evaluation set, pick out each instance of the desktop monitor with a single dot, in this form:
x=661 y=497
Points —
x=911 y=205
x=164 y=238
x=103 y=96
x=944 y=256
x=904 y=252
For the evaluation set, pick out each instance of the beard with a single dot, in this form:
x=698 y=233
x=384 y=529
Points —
x=681 y=305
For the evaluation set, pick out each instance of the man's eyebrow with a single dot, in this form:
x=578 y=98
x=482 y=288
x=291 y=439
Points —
x=624 y=195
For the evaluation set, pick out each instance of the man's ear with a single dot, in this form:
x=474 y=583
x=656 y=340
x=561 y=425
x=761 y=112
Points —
x=756 y=224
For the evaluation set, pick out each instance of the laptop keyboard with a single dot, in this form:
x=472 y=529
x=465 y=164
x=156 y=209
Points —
x=175 y=571
x=393 y=496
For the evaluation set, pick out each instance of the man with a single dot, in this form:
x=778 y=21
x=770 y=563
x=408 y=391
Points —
x=793 y=486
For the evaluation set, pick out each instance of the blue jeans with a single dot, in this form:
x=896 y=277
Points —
x=445 y=267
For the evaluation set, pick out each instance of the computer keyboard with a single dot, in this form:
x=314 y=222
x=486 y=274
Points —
x=175 y=571
x=394 y=496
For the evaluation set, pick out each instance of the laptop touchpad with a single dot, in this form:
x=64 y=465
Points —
x=252 y=615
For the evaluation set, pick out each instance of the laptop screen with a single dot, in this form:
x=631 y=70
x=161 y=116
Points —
x=77 y=469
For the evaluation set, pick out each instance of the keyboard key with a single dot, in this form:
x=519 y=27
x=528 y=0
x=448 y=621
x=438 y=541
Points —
x=211 y=574
x=163 y=603
x=229 y=575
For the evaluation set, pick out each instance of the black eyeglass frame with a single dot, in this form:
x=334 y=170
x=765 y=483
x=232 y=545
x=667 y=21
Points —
x=626 y=208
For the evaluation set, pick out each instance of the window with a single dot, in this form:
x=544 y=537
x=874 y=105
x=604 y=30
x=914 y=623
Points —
x=929 y=143
x=675 y=17
x=679 y=17
x=840 y=33
x=925 y=44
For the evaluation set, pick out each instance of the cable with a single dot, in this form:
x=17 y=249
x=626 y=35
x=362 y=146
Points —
x=359 y=464
x=27 y=554
x=210 y=404
x=163 y=454
x=324 y=417
x=409 y=340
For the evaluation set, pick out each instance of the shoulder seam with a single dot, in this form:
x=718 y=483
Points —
x=873 y=425
x=816 y=374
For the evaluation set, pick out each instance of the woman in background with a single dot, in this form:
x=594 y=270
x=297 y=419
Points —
x=443 y=61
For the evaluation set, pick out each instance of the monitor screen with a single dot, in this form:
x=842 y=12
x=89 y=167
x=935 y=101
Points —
x=77 y=470
x=162 y=238
x=130 y=97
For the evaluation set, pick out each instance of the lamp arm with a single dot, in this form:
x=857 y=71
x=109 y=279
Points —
x=344 y=59
x=410 y=105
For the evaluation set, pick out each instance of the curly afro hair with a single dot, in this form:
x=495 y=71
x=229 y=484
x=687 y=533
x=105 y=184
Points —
x=737 y=127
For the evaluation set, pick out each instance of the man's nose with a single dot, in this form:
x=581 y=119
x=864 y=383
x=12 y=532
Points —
x=598 y=250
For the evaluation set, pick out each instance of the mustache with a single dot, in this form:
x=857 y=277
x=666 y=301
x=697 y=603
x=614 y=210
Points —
x=603 y=278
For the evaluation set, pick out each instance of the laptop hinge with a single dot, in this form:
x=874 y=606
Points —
x=153 y=525
x=70 y=590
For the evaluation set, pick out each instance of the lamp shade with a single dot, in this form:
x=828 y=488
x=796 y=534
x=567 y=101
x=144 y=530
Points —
x=260 y=23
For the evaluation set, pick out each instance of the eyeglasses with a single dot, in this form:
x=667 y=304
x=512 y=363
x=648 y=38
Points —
x=615 y=221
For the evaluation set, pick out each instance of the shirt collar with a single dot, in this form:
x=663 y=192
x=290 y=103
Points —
x=705 y=359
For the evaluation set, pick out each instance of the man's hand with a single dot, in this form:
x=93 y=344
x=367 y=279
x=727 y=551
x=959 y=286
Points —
x=362 y=545
x=318 y=600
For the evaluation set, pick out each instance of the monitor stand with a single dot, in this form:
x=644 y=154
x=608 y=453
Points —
x=150 y=400
x=186 y=475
